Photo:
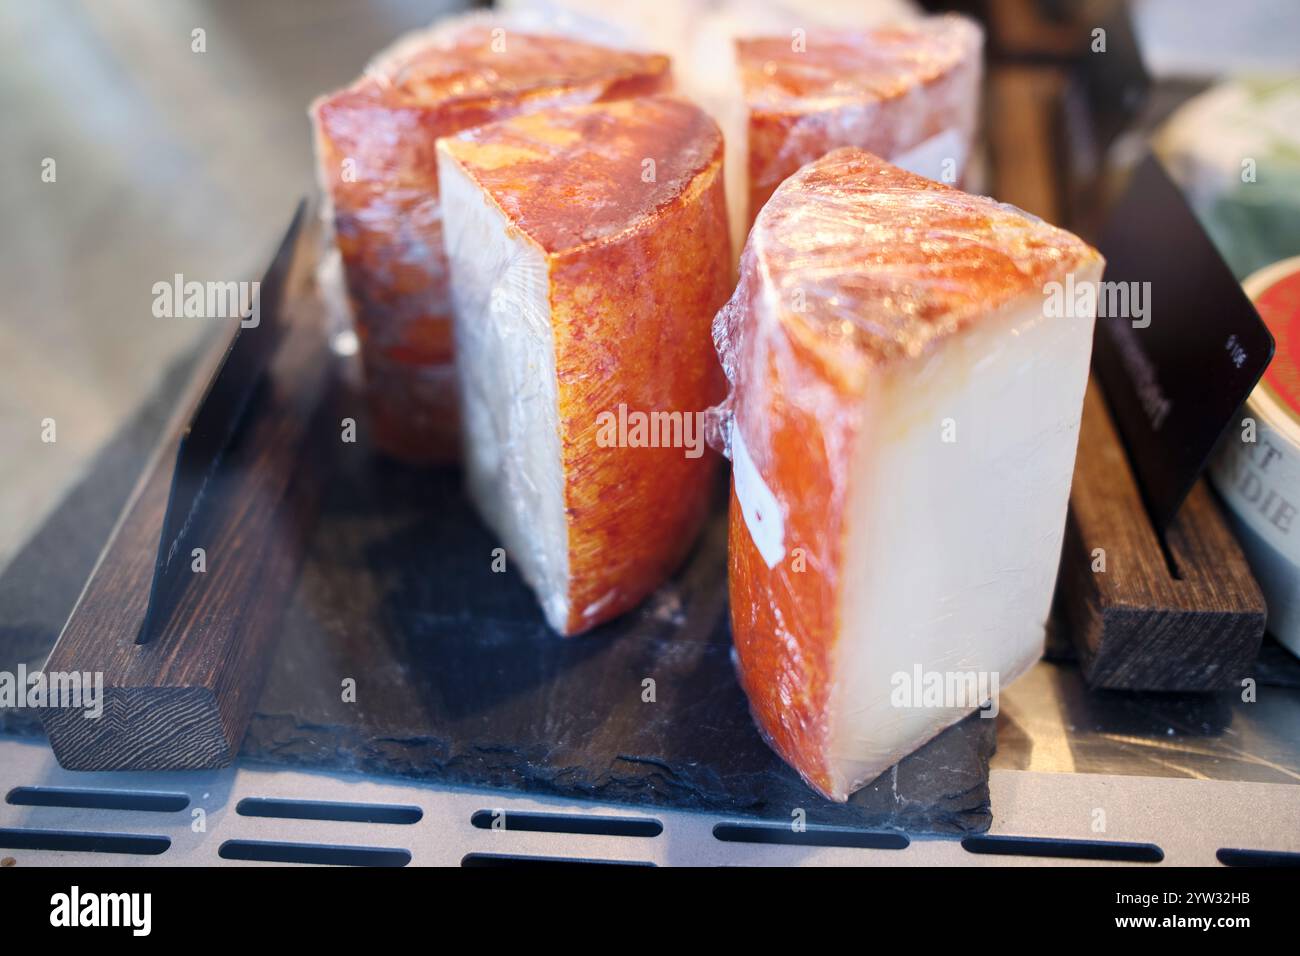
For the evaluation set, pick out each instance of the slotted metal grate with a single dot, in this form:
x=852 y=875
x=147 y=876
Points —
x=249 y=816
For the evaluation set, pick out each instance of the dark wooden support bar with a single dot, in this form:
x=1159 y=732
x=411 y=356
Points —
x=183 y=700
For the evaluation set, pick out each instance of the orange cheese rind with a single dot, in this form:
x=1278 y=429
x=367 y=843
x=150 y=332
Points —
x=568 y=178
x=614 y=260
x=889 y=90
x=868 y=263
x=377 y=164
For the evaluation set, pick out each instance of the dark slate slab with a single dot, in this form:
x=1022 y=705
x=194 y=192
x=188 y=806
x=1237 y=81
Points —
x=459 y=680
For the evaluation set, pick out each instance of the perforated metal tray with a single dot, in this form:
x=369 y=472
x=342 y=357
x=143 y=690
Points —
x=1225 y=804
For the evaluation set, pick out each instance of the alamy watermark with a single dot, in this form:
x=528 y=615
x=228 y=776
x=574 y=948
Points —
x=966 y=690
x=133 y=911
x=181 y=299
x=67 y=690
x=1105 y=299
x=626 y=428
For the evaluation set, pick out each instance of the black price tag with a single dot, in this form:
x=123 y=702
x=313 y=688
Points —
x=1179 y=346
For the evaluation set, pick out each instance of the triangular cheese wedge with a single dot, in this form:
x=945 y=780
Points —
x=906 y=411
x=909 y=93
x=589 y=252
x=375 y=145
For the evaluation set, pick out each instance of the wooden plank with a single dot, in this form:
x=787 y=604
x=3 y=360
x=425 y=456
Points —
x=1021 y=128
x=1143 y=617
x=183 y=700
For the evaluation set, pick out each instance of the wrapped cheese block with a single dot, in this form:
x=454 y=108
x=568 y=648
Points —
x=909 y=93
x=700 y=37
x=902 y=425
x=589 y=252
x=375 y=144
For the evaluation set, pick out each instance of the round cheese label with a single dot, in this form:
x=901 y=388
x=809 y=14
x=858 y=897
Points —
x=1276 y=294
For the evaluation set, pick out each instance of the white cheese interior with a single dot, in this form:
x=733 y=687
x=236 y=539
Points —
x=952 y=548
x=927 y=158
x=505 y=354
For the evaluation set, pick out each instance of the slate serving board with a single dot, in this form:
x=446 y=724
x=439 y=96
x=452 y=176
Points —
x=458 y=679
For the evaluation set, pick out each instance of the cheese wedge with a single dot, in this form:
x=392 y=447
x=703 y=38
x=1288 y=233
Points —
x=905 y=412
x=375 y=146
x=909 y=93
x=589 y=252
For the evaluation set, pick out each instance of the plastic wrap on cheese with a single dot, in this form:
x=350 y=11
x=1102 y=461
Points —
x=907 y=92
x=902 y=424
x=375 y=145
x=700 y=37
x=589 y=252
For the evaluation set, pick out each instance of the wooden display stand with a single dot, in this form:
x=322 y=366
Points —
x=1183 y=616
x=183 y=699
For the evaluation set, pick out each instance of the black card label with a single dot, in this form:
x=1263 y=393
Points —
x=1179 y=346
